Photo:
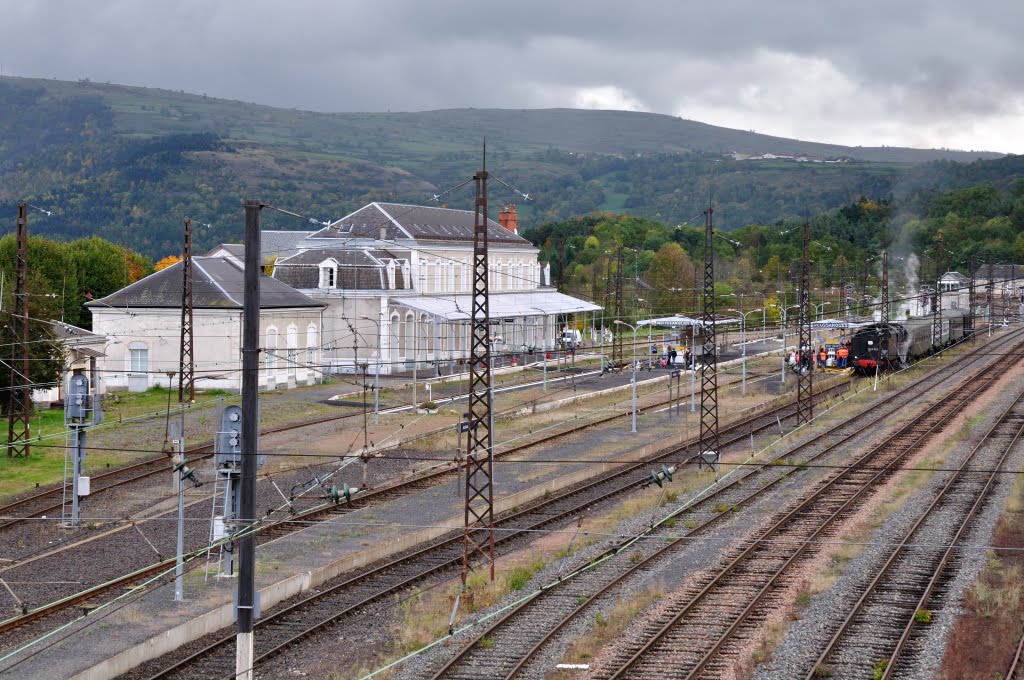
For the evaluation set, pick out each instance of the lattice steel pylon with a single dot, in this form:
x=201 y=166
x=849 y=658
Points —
x=186 y=365
x=617 y=353
x=883 y=316
x=969 y=325
x=937 y=297
x=805 y=380
x=708 y=441
x=479 y=508
x=19 y=431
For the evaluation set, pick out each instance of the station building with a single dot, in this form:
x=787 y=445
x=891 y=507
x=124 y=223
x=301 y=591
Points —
x=387 y=288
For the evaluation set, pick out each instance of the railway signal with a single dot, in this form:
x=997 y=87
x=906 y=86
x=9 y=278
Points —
x=78 y=415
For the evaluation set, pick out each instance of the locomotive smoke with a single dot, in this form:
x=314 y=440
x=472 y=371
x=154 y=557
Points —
x=910 y=273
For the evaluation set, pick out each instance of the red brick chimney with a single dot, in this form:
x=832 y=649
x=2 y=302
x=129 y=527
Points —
x=508 y=218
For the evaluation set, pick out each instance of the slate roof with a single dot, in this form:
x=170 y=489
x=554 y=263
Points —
x=272 y=244
x=423 y=223
x=216 y=283
x=357 y=269
x=1002 y=272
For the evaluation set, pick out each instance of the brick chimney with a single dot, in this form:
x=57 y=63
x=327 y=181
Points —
x=508 y=218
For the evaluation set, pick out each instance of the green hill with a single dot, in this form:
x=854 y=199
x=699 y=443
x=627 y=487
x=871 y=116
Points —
x=129 y=164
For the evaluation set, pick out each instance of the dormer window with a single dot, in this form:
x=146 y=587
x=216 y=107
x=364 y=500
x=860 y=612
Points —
x=329 y=273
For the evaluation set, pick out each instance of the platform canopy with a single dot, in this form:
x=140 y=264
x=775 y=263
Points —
x=502 y=305
x=680 y=321
x=835 y=324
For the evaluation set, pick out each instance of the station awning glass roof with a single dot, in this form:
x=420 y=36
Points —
x=502 y=305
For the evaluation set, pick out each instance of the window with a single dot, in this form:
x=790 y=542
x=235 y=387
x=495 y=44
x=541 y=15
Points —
x=138 y=360
x=311 y=345
x=328 y=274
x=271 y=351
x=292 y=340
x=394 y=337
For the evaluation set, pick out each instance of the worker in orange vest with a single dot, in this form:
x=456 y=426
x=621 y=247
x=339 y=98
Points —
x=842 y=353
x=822 y=356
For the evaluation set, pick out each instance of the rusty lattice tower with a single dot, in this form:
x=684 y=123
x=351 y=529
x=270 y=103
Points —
x=20 y=406
x=479 y=507
x=186 y=365
x=617 y=353
x=937 y=297
x=804 y=382
x=709 y=365
x=969 y=325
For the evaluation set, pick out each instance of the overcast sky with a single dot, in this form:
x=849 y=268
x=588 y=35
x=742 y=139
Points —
x=899 y=72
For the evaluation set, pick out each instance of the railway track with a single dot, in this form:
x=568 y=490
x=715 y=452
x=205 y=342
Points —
x=694 y=636
x=298 y=520
x=507 y=645
x=287 y=627
x=881 y=634
x=284 y=628
x=51 y=501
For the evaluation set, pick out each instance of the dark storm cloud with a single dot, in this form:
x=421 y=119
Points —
x=921 y=73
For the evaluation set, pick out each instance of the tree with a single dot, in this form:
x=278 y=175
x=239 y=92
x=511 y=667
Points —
x=166 y=262
x=46 y=355
x=670 y=274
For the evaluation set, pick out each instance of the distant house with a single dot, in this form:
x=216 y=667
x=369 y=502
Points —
x=83 y=350
x=142 y=324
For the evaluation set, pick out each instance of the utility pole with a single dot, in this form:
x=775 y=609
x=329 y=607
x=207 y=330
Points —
x=617 y=353
x=969 y=319
x=186 y=370
x=479 y=507
x=883 y=315
x=843 y=302
x=250 y=443
x=804 y=390
x=19 y=429
x=937 y=297
x=708 y=442
x=884 y=302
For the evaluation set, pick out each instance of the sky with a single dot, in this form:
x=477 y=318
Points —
x=919 y=73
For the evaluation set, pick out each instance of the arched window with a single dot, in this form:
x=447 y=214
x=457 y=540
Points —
x=408 y=335
x=292 y=340
x=311 y=346
x=395 y=334
x=426 y=337
x=271 y=351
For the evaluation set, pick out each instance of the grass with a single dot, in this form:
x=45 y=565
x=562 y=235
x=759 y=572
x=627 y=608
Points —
x=990 y=622
x=608 y=626
x=45 y=464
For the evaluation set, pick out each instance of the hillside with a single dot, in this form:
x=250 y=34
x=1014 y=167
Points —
x=130 y=163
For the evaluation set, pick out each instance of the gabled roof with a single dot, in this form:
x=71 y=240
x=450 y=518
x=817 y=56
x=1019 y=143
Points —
x=422 y=223
x=954 y=276
x=216 y=283
x=272 y=244
x=74 y=336
x=1000 y=272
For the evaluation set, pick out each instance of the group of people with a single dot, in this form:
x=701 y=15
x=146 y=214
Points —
x=805 y=357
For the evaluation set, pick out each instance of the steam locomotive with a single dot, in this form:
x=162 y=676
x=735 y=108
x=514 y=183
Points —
x=881 y=346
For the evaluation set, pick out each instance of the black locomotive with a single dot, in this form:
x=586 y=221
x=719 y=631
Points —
x=892 y=346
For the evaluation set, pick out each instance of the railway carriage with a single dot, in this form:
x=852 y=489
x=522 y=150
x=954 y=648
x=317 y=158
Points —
x=893 y=345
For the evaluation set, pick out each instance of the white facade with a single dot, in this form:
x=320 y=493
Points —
x=144 y=346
